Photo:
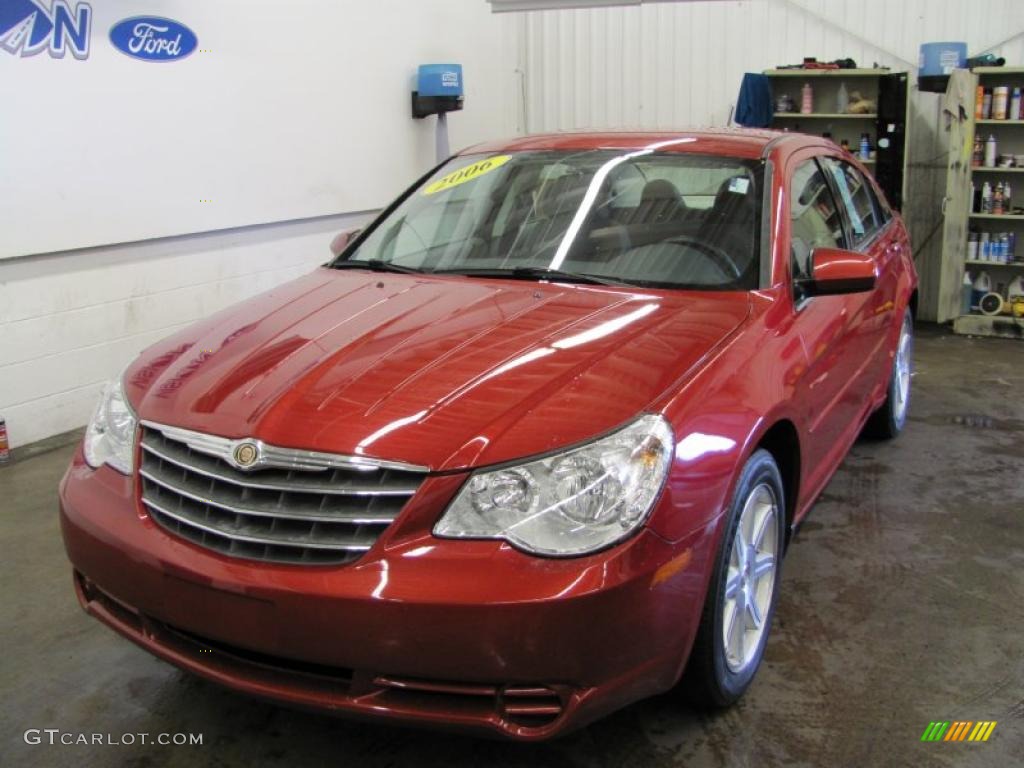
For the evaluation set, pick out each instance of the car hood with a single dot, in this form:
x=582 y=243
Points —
x=443 y=372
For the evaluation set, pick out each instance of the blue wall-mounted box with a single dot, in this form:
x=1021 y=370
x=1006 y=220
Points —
x=439 y=80
x=438 y=89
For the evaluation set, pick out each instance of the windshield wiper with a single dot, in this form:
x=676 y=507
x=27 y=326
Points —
x=376 y=265
x=534 y=273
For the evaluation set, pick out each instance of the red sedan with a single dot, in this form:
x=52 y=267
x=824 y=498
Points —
x=529 y=448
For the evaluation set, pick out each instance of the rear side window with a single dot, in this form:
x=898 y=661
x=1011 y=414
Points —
x=858 y=199
x=814 y=218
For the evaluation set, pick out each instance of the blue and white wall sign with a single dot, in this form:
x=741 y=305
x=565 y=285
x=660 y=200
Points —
x=152 y=38
x=28 y=28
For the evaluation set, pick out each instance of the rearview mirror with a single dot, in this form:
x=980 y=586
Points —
x=836 y=271
x=343 y=239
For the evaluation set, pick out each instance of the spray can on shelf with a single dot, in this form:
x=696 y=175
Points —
x=1015 y=105
x=990 y=152
x=978 y=155
x=997 y=199
x=865 y=147
x=986 y=105
x=1012 y=247
x=983 y=247
x=806 y=99
x=1007 y=197
x=1004 y=248
x=1000 y=101
x=986 y=198
x=972 y=245
x=5 y=449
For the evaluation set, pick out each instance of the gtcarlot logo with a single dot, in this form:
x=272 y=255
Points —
x=55 y=736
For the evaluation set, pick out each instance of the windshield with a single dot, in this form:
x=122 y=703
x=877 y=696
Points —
x=637 y=218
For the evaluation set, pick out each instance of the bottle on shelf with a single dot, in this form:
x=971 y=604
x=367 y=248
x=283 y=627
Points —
x=1007 y=199
x=1015 y=105
x=986 y=198
x=982 y=285
x=806 y=99
x=1016 y=287
x=997 y=199
x=865 y=147
x=842 y=100
x=978 y=155
x=1000 y=99
x=844 y=144
x=986 y=105
x=979 y=103
x=972 y=245
x=984 y=246
x=990 y=152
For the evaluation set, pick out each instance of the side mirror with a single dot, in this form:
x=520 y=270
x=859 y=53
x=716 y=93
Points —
x=836 y=272
x=342 y=240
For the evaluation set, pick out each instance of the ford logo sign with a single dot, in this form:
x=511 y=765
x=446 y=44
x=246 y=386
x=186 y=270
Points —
x=152 y=38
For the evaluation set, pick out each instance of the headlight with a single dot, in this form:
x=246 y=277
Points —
x=571 y=503
x=110 y=436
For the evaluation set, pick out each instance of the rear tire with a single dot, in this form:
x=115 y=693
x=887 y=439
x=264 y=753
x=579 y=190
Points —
x=888 y=421
x=741 y=597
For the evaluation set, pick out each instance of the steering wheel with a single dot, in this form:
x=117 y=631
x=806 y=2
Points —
x=721 y=258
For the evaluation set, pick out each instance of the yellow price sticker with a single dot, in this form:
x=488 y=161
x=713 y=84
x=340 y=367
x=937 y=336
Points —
x=467 y=173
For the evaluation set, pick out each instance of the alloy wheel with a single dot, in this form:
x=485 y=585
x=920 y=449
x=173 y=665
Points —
x=750 y=580
x=902 y=368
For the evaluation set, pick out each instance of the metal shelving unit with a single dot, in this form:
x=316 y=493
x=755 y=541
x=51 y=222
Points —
x=1010 y=137
x=887 y=89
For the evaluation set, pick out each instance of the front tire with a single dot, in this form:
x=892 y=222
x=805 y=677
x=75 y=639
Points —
x=888 y=421
x=741 y=598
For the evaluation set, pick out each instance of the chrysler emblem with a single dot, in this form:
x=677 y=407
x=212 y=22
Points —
x=246 y=454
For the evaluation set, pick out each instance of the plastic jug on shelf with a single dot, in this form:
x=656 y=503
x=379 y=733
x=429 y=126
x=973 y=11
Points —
x=982 y=285
x=1016 y=287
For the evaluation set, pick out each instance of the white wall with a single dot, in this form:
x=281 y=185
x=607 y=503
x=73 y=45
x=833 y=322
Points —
x=670 y=65
x=69 y=319
x=285 y=111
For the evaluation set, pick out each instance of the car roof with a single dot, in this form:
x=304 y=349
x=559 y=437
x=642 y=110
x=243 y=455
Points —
x=728 y=142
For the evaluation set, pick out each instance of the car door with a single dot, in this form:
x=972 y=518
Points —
x=825 y=325
x=873 y=231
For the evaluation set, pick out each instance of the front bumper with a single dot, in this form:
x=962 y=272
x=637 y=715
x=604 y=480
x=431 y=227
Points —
x=470 y=635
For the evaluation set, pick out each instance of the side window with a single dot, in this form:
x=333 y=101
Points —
x=860 y=204
x=881 y=205
x=814 y=218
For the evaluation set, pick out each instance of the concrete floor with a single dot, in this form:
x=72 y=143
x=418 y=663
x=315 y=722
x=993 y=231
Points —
x=902 y=602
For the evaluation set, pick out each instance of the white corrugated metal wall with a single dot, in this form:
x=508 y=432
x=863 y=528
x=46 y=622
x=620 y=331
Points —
x=667 y=65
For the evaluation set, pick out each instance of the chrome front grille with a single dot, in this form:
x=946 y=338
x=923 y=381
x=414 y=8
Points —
x=286 y=506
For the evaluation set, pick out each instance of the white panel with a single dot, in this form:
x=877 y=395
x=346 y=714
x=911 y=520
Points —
x=288 y=111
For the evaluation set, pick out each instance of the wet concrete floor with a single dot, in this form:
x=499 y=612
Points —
x=902 y=603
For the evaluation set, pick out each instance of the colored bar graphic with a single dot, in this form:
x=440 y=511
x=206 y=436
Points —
x=958 y=730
